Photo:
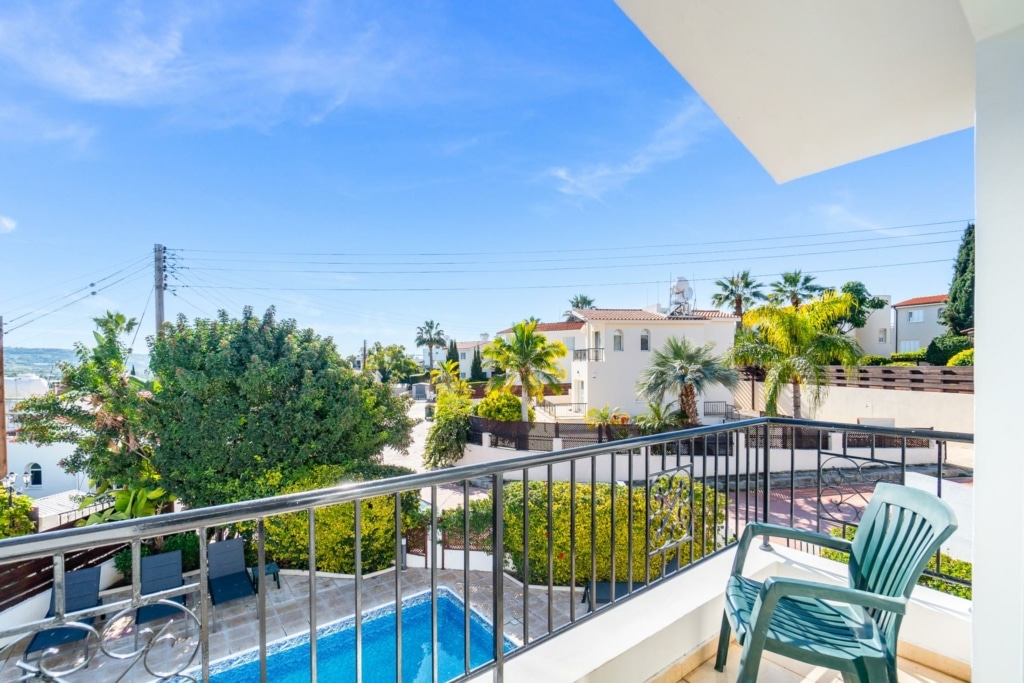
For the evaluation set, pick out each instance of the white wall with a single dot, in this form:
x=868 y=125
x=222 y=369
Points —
x=613 y=380
x=922 y=332
x=55 y=479
x=880 y=320
x=945 y=412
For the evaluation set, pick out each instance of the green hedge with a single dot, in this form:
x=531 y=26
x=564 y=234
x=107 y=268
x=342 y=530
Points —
x=943 y=348
x=908 y=356
x=449 y=434
x=959 y=569
x=714 y=517
x=874 y=360
x=503 y=406
x=964 y=358
x=901 y=364
x=14 y=517
x=288 y=535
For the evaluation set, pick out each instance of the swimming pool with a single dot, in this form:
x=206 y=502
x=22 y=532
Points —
x=288 y=660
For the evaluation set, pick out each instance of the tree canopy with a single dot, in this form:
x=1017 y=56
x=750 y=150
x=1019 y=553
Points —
x=392 y=362
x=579 y=301
x=453 y=351
x=863 y=304
x=959 y=313
x=431 y=335
x=685 y=370
x=247 y=402
x=476 y=370
x=740 y=291
x=794 y=288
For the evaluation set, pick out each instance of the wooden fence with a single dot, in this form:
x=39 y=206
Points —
x=22 y=580
x=952 y=380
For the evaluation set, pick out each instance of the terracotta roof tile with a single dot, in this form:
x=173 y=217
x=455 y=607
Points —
x=639 y=314
x=550 y=327
x=923 y=300
x=470 y=345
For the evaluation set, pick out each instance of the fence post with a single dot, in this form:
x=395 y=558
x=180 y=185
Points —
x=485 y=439
x=556 y=444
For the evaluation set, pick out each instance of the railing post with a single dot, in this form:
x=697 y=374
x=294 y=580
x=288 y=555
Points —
x=498 y=589
x=766 y=501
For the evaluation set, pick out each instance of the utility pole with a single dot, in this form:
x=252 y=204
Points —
x=3 y=406
x=364 y=356
x=159 y=282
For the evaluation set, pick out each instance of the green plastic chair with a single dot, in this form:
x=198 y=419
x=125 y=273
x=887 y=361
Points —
x=853 y=630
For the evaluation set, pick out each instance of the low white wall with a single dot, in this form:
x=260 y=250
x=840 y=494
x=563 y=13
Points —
x=944 y=412
x=680 y=618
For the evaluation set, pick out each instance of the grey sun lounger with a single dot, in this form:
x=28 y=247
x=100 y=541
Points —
x=228 y=577
x=81 y=591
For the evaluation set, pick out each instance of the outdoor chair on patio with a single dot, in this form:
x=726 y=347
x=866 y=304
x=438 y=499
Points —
x=228 y=576
x=160 y=573
x=81 y=591
x=854 y=629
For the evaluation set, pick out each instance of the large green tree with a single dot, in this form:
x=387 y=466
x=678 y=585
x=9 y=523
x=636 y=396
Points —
x=579 y=301
x=431 y=335
x=476 y=370
x=863 y=304
x=794 y=288
x=529 y=358
x=247 y=402
x=392 y=362
x=684 y=370
x=959 y=313
x=739 y=291
x=453 y=351
x=795 y=346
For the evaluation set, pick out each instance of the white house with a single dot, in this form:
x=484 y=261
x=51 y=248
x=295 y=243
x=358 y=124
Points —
x=918 y=321
x=876 y=337
x=617 y=346
x=569 y=333
x=466 y=351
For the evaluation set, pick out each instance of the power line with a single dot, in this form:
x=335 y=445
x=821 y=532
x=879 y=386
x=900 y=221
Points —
x=77 y=278
x=577 y=250
x=560 y=259
x=519 y=269
x=556 y=286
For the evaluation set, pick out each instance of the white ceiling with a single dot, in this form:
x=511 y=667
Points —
x=808 y=85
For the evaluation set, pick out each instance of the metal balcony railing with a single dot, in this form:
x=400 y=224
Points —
x=592 y=355
x=670 y=500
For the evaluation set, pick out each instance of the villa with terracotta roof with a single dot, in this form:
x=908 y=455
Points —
x=917 y=321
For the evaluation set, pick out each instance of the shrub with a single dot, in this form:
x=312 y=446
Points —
x=447 y=437
x=901 y=364
x=287 y=536
x=959 y=569
x=502 y=406
x=908 y=356
x=452 y=523
x=943 y=348
x=14 y=518
x=714 y=517
x=874 y=360
x=123 y=559
x=188 y=544
x=965 y=357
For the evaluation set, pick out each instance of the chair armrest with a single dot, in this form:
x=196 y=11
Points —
x=755 y=529
x=780 y=587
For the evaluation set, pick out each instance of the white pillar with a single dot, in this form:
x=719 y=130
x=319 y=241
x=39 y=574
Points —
x=998 y=613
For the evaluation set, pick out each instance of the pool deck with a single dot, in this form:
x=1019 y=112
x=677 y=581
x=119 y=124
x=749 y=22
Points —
x=235 y=625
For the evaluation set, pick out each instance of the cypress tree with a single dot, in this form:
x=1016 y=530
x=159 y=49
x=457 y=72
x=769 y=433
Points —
x=959 y=313
x=453 y=351
x=476 y=371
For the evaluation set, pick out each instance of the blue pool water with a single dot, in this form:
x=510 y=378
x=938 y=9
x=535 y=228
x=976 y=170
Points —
x=288 y=660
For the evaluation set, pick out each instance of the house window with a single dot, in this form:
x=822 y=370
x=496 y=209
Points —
x=915 y=316
x=912 y=345
x=570 y=343
x=645 y=340
x=883 y=335
x=597 y=340
x=462 y=375
x=617 y=340
x=462 y=356
x=35 y=474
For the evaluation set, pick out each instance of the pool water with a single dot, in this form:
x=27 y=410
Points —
x=288 y=660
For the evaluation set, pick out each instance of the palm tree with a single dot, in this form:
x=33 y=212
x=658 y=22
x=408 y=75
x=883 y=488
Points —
x=446 y=373
x=659 y=418
x=739 y=291
x=794 y=287
x=528 y=357
x=431 y=335
x=795 y=346
x=686 y=370
x=578 y=301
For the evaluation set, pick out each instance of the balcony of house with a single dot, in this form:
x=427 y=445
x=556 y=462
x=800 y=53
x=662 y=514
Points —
x=606 y=562
x=588 y=355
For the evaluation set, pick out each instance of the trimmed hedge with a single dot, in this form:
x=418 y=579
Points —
x=874 y=360
x=943 y=348
x=901 y=364
x=713 y=512
x=288 y=535
x=960 y=569
x=502 y=406
x=908 y=356
x=964 y=358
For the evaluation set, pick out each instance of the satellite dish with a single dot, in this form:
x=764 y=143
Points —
x=680 y=296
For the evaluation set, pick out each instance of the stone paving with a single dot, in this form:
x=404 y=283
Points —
x=235 y=626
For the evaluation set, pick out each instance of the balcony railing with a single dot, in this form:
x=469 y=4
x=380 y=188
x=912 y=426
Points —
x=592 y=355
x=557 y=410
x=551 y=520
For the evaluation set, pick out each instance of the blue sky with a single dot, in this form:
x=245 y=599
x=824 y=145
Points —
x=367 y=166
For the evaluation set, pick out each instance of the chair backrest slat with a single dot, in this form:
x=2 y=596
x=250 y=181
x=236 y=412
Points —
x=161 y=572
x=81 y=590
x=226 y=558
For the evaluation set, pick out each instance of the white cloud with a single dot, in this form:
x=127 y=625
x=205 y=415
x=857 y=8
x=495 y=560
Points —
x=208 y=63
x=7 y=224
x=670 y=142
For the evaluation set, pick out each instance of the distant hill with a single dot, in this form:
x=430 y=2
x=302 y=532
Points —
x=43 y=362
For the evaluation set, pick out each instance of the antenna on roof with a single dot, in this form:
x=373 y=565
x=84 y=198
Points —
x=680 y=294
